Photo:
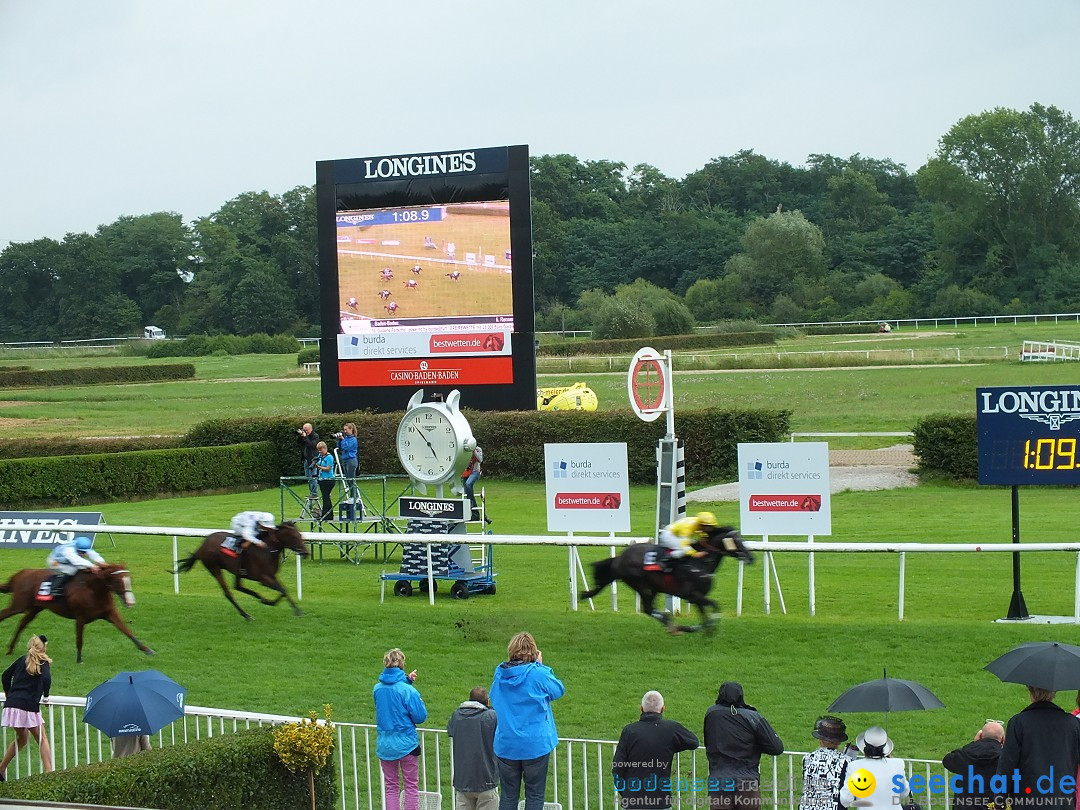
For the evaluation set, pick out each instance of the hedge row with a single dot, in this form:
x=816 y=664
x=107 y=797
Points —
x=714 y=340
x=513 y=441
x=202 y=345
x=310 y=355
x=947 y=445
x=846 y=329
x=142 y=473
x=95 y=376
x=75 y=446
x=218 y=773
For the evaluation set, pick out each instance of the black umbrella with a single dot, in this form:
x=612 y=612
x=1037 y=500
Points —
x=886 y=695
x=1044 y=664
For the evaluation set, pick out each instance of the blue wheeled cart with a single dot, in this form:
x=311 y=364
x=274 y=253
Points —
x=469 y=568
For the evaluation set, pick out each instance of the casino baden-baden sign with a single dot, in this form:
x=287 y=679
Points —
x=1028 y=434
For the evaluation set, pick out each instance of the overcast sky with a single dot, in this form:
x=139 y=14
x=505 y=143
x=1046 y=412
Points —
x=113 y=107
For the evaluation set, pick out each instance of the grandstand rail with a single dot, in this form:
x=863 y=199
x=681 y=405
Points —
x=579 y=772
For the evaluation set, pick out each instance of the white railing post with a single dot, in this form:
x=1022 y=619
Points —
x=901 y=607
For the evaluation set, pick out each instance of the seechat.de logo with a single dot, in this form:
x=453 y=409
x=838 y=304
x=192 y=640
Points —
x=861 y=783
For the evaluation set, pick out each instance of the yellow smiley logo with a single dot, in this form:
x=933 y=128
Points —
x=861 y=783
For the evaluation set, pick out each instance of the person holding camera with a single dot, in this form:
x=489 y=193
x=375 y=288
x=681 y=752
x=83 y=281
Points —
x=347 y=448
x=309 y=452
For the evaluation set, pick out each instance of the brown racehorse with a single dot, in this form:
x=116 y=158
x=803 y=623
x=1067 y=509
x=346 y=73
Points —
x=88 y=596
x=259 y=565
x=689 y=579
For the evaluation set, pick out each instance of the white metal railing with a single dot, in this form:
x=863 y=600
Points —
x=699 y=360
x=974 y=320
x=579 y=774
x=1039 y=351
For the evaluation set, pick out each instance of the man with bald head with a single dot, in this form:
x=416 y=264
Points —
x=641 y=766
x=975 y=765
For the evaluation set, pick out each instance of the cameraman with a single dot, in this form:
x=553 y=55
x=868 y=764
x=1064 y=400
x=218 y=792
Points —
x=309 y=441
x=347 y=448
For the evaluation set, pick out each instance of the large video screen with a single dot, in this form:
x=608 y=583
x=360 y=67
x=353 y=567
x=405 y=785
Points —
x=419 y=284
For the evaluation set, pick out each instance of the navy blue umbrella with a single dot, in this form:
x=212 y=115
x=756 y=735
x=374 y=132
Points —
x=135 y=703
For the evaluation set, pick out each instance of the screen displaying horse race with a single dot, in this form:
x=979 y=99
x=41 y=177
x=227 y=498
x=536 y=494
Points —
x=420 y=287
x=433 y=268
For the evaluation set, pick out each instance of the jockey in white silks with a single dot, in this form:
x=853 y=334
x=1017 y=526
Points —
x=74 y=555
x=246 y=526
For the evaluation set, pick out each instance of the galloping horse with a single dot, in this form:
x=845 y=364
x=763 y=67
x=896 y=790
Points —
x=88 y=596
x=690 y=579
x=259 y=564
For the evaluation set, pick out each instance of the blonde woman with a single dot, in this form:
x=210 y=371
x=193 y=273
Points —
x=398 y=708
x=525 y=736
x=26 y=685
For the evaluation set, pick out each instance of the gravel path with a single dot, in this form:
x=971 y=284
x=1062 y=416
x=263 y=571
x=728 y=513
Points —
x=887 y=468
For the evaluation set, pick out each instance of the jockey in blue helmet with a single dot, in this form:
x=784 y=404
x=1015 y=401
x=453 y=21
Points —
x=67 y=559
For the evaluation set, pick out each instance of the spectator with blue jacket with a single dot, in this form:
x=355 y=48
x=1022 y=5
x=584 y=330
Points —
x=521 y=695
x=398 y=708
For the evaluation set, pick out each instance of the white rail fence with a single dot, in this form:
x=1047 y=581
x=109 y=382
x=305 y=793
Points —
x=1037 y=351
x=579 y=775
x=766 y=548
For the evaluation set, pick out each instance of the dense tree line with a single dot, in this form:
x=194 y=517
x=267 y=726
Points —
x=990 y=224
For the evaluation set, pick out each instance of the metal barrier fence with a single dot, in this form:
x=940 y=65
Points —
x=579 y=774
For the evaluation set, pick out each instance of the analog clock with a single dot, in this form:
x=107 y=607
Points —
x=434 y=440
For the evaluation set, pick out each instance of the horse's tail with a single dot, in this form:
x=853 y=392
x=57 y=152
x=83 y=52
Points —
x=187 y=563
x=7 y=586
x=603 y=575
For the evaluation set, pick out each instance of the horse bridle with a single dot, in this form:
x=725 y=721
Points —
x=125 y=580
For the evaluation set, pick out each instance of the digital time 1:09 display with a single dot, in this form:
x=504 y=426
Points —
x=1050 y=454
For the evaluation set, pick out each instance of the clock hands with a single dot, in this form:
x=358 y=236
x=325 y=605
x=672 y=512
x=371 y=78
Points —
x=425 y=438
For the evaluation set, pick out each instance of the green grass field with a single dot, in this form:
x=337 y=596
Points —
x=791 y=665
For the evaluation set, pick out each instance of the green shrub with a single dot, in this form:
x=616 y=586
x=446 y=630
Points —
x=75 y=446
x=143 y=473
x=513 y=441
x=708 y=340
x=947 y=445
x=843 y=329
x=96 y=376
x=218 y=773
x=203 y=346
x=310 y=355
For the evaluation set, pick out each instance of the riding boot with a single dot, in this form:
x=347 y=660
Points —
x=58 y=585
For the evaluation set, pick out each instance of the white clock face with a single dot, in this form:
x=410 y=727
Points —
x=427 y=445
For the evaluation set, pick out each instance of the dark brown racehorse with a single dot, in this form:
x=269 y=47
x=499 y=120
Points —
x=257 y=564
x=690 y=578
x=88 y=596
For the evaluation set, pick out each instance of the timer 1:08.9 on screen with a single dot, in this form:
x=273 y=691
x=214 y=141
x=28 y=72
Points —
x=1050 y=454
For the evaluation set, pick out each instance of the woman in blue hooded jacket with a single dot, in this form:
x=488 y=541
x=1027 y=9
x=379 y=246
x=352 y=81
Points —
x=398 y=708
x=521 y=696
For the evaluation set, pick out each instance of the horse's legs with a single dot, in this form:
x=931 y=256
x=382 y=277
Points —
x=79 y=625
x=228 y=594
x=118 y=622
x=28 y=616
x=272 y=582
x=240 y=587
x=647 y=599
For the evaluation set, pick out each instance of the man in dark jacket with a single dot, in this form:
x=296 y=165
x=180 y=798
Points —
x=736 y=736
x=641 y=766
x=975 y=763
x=476 y=774
x=309 y=453
x=1042 y=745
